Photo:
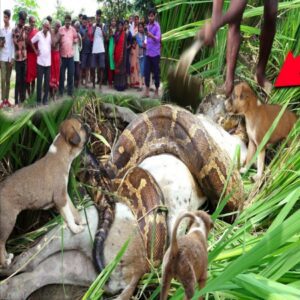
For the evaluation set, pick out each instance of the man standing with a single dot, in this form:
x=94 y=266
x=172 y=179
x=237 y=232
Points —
x=43 y=40
x=55 y=60
x=80 y=18
x=152 y=53
x=31 y=58
x=77 y=49
x=68 y=38
x=19 y=38
x=98 y=52
x=6 y=58
x=86 y=33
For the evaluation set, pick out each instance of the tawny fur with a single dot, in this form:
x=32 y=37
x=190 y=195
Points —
x=186 y=258
x=43 y=184
x=259 y=118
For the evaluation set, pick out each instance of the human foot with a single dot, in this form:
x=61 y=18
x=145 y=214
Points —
x=265 y=84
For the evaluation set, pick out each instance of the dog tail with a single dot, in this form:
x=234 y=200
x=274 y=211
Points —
x=174 y=244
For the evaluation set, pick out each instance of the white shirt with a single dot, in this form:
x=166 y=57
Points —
x=44 y=44
x=98 y=45
x=77 y=48
x=7 y=53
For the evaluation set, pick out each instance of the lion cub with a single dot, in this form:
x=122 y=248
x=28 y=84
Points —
x=186 y=258
x=259 y=118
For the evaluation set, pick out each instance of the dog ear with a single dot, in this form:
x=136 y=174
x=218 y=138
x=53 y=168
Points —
x=247 y=91
x=69 y=133
x=74 y=138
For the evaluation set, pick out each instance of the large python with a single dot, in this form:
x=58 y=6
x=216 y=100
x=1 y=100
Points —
x=140 y=192
x=173 y=130
x=164 y=129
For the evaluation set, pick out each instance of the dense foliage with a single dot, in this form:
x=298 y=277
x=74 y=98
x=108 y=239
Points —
x=30 y=6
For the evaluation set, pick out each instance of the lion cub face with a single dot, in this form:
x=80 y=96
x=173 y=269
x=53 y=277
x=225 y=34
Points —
x=241 y=99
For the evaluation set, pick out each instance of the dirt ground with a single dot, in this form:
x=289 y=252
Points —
x=105 y=90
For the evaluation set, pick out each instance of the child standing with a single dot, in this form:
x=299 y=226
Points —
x=134 y=64
x=77 y=48
x=141 y=41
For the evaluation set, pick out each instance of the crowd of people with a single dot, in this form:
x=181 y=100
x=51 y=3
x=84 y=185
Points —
x=122 y=53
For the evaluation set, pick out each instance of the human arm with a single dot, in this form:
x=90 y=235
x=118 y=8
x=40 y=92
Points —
x=55 y=38
x=34 y=40
x=129 y=40
x=12 y=48
x=2 y=40
x=156 y=34
x=61 y=34
x=79 y=42
x=104 y=31
x=75 y=36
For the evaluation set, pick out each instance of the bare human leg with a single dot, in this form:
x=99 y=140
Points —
x=233 y=15
x=266 y=41
x=233 y=47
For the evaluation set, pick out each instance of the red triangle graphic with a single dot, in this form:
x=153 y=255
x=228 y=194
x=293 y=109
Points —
x=289 y=74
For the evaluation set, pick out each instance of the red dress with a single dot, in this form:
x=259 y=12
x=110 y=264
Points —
x=54 y=69
x=31 y=72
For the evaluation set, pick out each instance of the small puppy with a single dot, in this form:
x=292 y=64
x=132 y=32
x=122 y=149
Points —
x=186 y=258
x=259 y=118
x=43 y=184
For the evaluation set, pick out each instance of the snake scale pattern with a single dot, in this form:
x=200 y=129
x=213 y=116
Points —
x=172 y=130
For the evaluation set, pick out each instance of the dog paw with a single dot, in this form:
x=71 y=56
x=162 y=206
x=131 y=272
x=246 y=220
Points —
x=77 y=229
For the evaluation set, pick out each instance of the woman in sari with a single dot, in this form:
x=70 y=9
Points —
x=128 y=51
x=55 y=60
x=134 y=57
x=120 y=58
x=111 y=50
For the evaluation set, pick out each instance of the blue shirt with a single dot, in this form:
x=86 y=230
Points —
x=87 y=44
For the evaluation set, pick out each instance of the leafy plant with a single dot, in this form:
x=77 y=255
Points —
x=61 y=12
x=119 y=9
x=30 y=6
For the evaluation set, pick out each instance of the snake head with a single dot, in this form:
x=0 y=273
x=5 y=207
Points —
x=89 y=168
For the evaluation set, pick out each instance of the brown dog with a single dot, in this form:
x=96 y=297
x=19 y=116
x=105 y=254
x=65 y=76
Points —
x=259 y=118
x=43 y=184
x=186 y=258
